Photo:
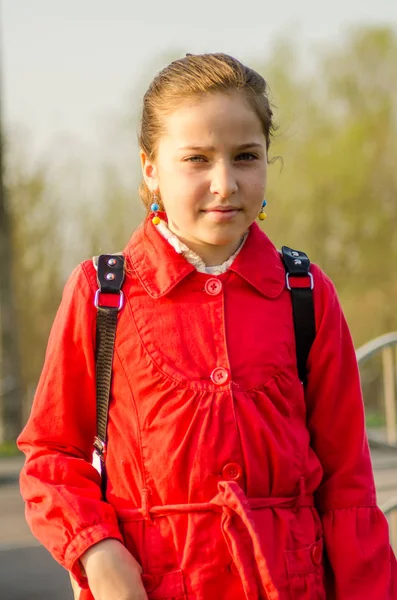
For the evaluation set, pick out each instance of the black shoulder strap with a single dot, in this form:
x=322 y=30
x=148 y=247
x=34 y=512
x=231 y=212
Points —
x=109 y=301
x=300 y=282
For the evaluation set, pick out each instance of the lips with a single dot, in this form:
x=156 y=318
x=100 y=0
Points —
x=222 y=214
x=222 y=209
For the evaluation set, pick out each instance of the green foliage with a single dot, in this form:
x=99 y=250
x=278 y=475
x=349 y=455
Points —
x=375 y=420
x=8 y=449
x=336 y=196
x=36 y=250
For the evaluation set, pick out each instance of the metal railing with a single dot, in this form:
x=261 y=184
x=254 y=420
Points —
x=387 y=345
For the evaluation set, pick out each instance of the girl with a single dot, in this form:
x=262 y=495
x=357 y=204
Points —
x=227 y=478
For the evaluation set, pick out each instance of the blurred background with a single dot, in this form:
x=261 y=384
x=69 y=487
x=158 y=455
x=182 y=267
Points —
x=72 y=78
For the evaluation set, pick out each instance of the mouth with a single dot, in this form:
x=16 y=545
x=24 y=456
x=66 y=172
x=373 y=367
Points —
x=222 y=214
x=222 y=209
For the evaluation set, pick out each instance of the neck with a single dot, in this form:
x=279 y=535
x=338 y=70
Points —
x=211 y=254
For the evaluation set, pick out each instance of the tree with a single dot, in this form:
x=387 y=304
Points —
x=11 y=389
x=337 y=191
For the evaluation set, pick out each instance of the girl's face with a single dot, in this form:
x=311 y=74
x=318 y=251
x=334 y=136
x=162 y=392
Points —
x=210 y=172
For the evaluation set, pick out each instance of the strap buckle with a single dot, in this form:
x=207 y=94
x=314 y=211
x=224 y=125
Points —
x=287 y=276
x=97 y=305
x=100 y=448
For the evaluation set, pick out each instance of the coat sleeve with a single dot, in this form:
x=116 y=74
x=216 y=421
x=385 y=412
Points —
x=60 y=487
x=360 y=562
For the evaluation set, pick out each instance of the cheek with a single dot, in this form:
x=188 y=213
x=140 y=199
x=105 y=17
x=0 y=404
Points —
x=254 y=181
x=183 y=187
x=255 y=190
x=182 y=198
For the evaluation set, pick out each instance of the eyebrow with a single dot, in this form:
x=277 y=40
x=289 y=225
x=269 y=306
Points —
x=212 y=148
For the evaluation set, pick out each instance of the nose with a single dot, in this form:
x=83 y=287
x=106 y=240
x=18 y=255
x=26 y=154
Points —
x=223 y=181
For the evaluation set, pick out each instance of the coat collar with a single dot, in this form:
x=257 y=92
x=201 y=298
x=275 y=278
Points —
x=259 y=263
x=160 y=268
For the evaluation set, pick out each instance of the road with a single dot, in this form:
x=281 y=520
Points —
x=28 y=572
x=32 y=574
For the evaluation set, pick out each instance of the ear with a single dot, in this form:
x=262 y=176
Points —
x=149 y=172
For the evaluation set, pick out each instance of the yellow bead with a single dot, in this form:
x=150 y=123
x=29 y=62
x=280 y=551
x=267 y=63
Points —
x=262 y=216
x=156 y=220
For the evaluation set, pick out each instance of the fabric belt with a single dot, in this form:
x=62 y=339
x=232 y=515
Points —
x=233 y=505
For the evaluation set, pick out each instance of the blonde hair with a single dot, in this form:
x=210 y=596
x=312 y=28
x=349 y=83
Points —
x=195 y=75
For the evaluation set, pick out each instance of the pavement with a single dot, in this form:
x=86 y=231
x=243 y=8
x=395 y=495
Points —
x=27 y=570
x=14 y=530
x=32 y=574
x=10 y=467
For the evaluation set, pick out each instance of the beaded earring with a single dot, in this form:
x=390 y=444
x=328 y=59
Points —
x=262 y=215
x=155 y=208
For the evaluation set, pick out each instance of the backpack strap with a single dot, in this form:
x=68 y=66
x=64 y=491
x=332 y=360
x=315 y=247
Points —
x=109 y=300
x=300 y=282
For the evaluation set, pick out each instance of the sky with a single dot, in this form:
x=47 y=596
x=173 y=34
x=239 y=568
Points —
x=69 y=65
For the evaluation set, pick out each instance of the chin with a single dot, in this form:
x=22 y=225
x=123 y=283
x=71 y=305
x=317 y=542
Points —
x=223 y=238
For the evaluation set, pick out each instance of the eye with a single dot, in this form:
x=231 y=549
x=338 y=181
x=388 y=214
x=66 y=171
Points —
x=195 y=159
x=246 y=156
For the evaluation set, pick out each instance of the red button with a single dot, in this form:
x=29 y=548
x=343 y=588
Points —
x=213 y=286
x=150 y=582
x=232 y=472
x=317 y=554
x=220 y=375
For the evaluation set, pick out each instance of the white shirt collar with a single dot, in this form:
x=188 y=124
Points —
x=193 y=258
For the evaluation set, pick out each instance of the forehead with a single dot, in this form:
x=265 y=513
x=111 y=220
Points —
x=213 y=118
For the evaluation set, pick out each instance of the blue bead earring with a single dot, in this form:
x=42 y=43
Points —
x=262 y=215
x=155 y=208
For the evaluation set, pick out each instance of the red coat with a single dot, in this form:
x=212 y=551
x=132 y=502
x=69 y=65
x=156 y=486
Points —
x=225 y=481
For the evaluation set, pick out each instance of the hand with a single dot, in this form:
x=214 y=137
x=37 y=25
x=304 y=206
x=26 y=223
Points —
x=112 y=572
